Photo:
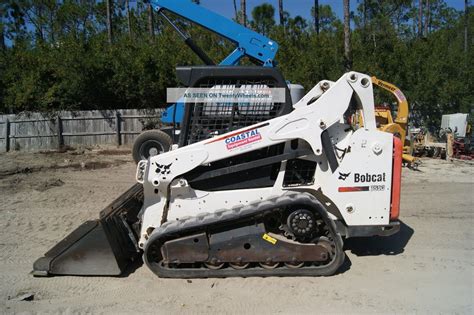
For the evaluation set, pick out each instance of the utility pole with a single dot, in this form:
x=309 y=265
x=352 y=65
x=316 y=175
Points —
x=316 y=16
x=109 y=20
x=347 y=36
x=243 y=10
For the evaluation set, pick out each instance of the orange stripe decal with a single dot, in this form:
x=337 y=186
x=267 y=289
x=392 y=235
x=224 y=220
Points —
x=353 y=189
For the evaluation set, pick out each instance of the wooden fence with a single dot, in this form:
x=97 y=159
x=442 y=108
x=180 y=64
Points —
x=40 y=131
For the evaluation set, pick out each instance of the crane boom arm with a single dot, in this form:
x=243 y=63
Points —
x=249 y=43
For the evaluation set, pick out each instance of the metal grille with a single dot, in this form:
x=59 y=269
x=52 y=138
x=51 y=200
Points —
x=299 y=172
x=207 y=120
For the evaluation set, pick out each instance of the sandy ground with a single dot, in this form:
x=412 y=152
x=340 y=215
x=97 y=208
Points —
x=427 y=267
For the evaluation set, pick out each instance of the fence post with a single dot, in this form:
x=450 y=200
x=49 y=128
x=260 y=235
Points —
x=60 y=132
x=117 y=127
x=7 y=135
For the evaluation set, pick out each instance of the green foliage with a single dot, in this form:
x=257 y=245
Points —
x=263 y=19
x=327 y=18
x=57 y=55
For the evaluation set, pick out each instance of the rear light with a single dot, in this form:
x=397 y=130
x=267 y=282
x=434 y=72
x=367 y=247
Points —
x=396 y=178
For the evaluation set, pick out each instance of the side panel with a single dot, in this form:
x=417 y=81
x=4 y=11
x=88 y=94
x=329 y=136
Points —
x=361 y=186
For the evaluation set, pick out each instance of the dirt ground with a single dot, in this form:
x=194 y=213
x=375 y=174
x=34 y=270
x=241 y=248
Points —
x=427 y=267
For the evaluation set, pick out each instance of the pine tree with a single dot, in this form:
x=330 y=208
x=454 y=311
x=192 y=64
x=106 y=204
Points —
x=109 y=20
x=347 y=36
x=243 y=10
x=316 y=16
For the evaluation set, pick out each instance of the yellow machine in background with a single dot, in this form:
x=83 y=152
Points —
x=399 y=126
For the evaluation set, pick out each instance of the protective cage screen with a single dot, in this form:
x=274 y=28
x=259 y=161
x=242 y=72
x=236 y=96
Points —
x=209 y=119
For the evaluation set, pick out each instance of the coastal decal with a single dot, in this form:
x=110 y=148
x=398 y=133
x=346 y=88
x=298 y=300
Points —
x=241 y=139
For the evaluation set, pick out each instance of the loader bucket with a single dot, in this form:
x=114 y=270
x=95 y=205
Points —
x=103 y=247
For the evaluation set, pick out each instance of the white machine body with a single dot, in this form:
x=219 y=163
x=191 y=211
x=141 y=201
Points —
x=359 y=188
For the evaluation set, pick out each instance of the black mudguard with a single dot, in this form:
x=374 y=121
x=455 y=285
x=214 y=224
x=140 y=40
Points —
x=106 y=246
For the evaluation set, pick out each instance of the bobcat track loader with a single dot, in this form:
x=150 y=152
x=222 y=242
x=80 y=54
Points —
x=274 y=198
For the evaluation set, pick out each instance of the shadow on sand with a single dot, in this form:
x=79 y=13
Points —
x=132 y=268
x=378 y=245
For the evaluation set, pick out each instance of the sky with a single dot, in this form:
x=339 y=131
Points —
x=294 y=7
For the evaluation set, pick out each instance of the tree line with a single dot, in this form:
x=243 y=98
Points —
x=88 y=54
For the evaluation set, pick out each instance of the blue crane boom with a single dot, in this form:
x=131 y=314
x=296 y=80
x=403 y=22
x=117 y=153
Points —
x=256 y=47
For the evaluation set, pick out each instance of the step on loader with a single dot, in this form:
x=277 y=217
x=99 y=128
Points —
x=274 y=198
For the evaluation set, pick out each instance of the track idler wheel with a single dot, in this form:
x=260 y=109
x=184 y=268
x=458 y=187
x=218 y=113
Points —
x=269 y=265
x=239 y=266
x=294 y=265
x=213 y=266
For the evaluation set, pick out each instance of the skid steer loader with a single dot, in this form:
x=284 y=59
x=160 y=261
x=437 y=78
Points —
x=274 y=198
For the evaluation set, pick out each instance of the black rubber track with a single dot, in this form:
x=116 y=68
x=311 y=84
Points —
x=203 y=222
